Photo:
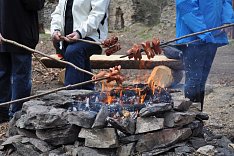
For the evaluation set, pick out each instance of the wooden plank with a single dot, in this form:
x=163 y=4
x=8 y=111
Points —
x=105 y=62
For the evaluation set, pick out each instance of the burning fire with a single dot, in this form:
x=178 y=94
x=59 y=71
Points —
x=117 y=94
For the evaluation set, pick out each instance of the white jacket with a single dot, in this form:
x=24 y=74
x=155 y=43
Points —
x=89 y=18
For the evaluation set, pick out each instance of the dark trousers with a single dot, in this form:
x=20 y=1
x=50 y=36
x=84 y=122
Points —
x=15 y=79
x=197 y=60
x=79 y=54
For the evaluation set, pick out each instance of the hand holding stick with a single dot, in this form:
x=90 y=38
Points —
x=112 y=75
x=111 y=44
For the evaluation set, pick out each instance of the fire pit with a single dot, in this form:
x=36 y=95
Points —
x=132 y=120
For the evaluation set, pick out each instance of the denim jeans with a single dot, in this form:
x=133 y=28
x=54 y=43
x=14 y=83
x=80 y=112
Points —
x=15 y=78
x=197 y=61
x=79 y=54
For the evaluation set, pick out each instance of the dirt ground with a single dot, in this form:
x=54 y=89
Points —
x=219 y=101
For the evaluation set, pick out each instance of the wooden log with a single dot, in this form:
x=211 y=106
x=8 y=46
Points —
x=105 y=62
x=164 y=76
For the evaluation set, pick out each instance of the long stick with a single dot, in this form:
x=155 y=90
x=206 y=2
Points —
x=91 y=42
x=198 y=33
x=40 y=62
x=189 y=35
x=52 y=91
x=38 y=52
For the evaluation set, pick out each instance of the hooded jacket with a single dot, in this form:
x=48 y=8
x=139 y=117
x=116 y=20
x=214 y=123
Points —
x=19 y=22
x=89 y=18
x=198 y=15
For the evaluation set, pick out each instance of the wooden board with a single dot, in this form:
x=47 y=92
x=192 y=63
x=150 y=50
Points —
x=105 y=62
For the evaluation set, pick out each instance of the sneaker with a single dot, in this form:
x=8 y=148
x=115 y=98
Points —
x=50 y=63
x=57 y=56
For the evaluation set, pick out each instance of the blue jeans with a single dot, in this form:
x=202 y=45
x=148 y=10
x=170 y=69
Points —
x=79 y=54
x=15 y=78
x=197 y=60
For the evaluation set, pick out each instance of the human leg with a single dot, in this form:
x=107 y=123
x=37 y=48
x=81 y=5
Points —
x=21 y=78
x=193 y=59
x=5 y=83
x=78 y=53
x=211 y=50
x=209 y=57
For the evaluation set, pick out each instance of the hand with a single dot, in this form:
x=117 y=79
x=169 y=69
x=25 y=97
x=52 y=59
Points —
x=1 y=38
x=56 y=36
x=73 y=37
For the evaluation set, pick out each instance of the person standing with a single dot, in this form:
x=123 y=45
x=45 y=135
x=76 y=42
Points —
x=194 y=16
x=79 y=19
x=18 y=22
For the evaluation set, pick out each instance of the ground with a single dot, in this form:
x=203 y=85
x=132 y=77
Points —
x=219 y=100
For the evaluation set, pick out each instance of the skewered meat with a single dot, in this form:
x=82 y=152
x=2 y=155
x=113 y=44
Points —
x=113 y=49
x=147 y=48
x=135 y=52
x=156 y=46
x=110 y=42
x=113 y=75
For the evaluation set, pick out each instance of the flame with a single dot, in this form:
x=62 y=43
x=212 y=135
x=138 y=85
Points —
x=109 y=99
x=142 y=98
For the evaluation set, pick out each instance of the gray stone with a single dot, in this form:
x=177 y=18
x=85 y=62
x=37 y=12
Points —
x=207 y=150
x=25 y=149
x=184 y=150
x=74 y=93
x=86 y=151
x=42 y=117
x=13 y=139
x=155 y=109
x=178 y=119
x=59 y=136
x=196 y=127
x=149 y=124
x=40 y=145
x=126 y=150
x=163 y=150
x=126 y=125
x=99 y=138
x=31 y=103
x=182 y=105
x=202 y=116
x=27 y=133
x=82 y=118
x=197 y=142
x=100 y=121
x=162 y=138
x=13 y=130
x=224 y=142
x=130 y=139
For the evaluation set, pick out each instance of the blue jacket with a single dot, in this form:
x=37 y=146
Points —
x=197 y=15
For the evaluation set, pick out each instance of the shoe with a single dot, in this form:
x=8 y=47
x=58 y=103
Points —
x=50 y=63
x=57 y=56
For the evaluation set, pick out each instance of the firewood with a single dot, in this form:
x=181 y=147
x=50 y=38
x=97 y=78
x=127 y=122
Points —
x=164 y=77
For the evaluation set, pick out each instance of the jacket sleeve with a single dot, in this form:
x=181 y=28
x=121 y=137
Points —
x=96 y=15
x=227 y=13
x=191 y=15
x=56 y=23
x=33 y=5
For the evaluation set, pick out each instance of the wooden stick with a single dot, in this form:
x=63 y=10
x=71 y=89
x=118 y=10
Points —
x=82 y=40
x=186 y=36
x=91 y=42
x=52 y=91
x=41 y=63
x=38 y=52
